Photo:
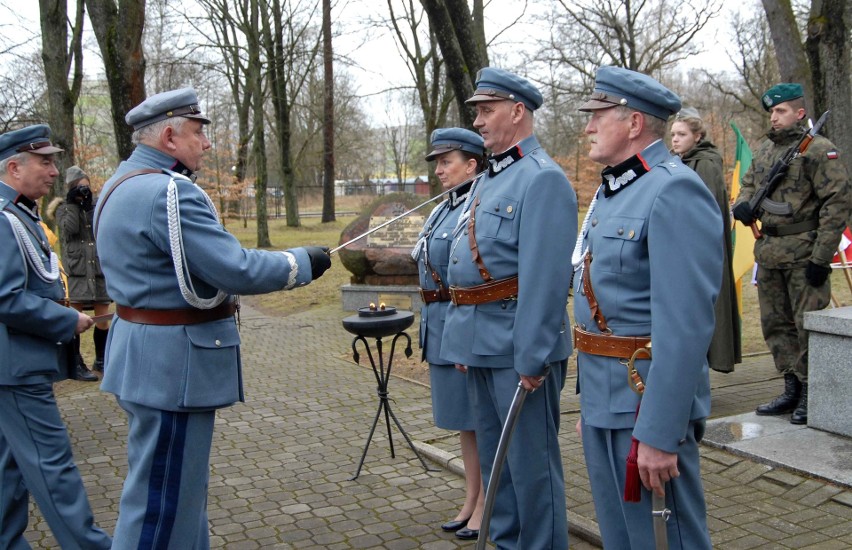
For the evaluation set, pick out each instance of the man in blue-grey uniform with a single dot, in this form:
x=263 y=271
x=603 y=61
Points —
x=173 y=354
x=35 y=450
x=509 y=273
x=648 y=269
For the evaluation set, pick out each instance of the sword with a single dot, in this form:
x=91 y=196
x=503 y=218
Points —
x=661 y=515
x=404 y=214
x=101 y=318
x=499 y=459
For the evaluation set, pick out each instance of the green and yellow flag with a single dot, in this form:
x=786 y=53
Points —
x=741 y=235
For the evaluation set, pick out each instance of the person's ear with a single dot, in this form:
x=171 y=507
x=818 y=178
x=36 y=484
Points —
x=167 y=138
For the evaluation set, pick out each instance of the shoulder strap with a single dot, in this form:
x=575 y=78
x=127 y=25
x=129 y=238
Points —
x=115 y=185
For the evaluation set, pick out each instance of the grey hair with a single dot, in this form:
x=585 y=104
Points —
x=150 y=133
x=655 y=126
x=21 y=158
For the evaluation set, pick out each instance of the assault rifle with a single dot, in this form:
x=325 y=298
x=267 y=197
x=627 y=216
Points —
x=760 y=200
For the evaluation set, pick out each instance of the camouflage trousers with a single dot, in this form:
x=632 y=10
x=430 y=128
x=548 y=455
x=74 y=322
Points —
x=784 y=296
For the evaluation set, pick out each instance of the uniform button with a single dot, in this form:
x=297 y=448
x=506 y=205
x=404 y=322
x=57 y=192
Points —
x=465 y=231
x=497 y=208
x=621 y=231
x=444 y=236
x=681 y=442
x=582 y=292
x=594 y=222
x=455 y=260
x=631 y=234
x=509 y=209
x=503 y=306
x=218 y=343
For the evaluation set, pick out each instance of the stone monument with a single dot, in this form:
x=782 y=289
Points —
x=830 y=370
x=381 y=264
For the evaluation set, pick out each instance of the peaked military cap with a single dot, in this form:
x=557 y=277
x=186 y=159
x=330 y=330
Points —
x=32 y=139
x=619 y=86
x=445 y=140
x=493 y=84
x=183 y=102
x=781 y=93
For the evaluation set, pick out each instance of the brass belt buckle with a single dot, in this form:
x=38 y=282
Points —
x=634 y=380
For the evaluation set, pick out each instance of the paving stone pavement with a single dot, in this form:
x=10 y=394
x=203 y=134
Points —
x=281 y=462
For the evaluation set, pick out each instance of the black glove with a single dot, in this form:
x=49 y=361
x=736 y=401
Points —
x=816 y=274
x=81 y=195
x=742 y=212
x=320 y=260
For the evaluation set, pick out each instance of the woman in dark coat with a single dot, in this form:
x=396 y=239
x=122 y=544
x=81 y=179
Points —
x=689 y=140
x=86 y=284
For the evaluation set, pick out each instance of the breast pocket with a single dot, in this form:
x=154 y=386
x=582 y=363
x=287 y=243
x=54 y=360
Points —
x=624 y=247
x=495 y=217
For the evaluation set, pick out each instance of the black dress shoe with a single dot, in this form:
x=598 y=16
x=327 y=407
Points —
x=467 y=534
x=451 y=526
x=83 y=374
x=99 y=365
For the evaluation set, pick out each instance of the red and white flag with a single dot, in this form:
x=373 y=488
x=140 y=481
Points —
x=845 y=246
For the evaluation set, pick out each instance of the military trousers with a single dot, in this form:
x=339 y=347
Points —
x=529 y=510
x=784 y=296
x=36 y=458
x=164 y=499
x=628 y=525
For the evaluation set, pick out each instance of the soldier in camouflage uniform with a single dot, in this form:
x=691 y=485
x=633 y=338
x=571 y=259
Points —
x=794 y=254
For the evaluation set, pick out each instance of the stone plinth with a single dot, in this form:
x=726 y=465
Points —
x=830 y=370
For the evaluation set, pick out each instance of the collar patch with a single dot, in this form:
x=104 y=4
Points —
x=615 y=178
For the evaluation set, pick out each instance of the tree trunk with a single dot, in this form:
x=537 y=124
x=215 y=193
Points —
x=328 y=116
x=259 y=148
x=792 y=62
x=827 y=46
x=57 y=60
x=450 y=34
x=119 y=33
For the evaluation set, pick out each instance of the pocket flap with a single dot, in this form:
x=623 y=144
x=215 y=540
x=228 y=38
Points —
x=503 y=207
x=222 y=334
x=622 y=227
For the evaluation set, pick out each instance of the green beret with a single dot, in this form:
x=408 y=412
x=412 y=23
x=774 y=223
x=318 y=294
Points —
x=781 y=93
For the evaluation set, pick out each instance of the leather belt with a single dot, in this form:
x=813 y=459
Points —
x=484 y=293
x=608 y=345
x=789 y=229
x=169 y=317
x=431 y=296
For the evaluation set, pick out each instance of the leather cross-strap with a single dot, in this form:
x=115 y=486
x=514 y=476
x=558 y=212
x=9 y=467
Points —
x=597 y=314
x=502 y=289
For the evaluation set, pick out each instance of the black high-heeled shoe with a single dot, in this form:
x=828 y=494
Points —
x=454 y=525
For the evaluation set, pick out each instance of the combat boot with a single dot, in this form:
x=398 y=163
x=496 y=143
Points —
x=785 y=402
x=82 y=373
x=800 y=415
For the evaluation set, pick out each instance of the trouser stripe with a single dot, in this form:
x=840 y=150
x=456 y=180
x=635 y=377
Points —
x=164 y=482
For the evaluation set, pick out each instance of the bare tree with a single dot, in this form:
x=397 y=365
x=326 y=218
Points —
x=59 y=57
x=461 y=36
x=118 y=26
x=419 y=47
x=328 y=115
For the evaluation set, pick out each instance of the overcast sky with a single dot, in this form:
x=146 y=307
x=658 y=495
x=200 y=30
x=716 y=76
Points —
x=378 y=64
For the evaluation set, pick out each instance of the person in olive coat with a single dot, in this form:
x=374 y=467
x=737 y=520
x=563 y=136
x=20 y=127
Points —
x=86 y=284
x=689 y=140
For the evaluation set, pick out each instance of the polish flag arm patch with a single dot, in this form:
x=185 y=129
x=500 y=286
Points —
x=832 y=154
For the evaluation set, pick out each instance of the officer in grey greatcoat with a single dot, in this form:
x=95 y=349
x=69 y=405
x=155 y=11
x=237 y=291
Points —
x=794 y=252
x=648 y=268
x=173 y=351
x=35 y=450
x=509 y=273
